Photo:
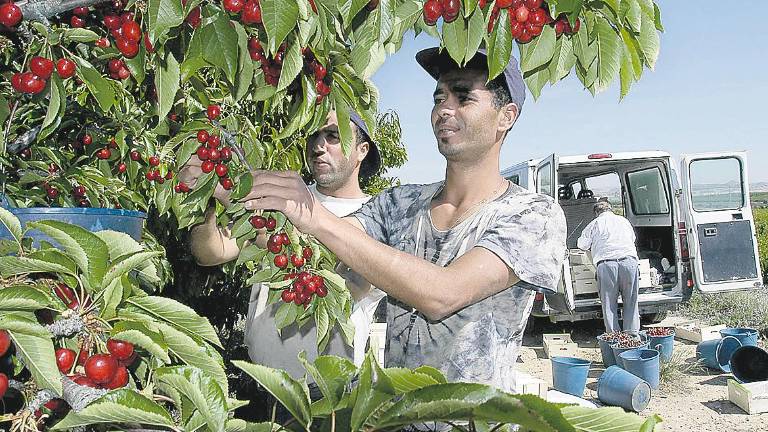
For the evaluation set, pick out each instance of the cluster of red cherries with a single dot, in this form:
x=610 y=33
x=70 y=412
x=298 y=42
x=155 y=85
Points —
x=40 y=70
x=214 y=158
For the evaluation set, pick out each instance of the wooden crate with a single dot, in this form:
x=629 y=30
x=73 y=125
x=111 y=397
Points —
x=696 y=332
x=751 y=397
x=559 y=345
x=526 y=384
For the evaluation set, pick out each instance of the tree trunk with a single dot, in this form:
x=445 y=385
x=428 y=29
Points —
x=42 y=9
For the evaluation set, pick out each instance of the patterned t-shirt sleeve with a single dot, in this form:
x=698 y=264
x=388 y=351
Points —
x=371 y=215
x=529 y=236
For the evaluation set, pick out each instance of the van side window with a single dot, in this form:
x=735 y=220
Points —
x=544 y=182
x=647 y=192
x=716 y=184
x=514 y=178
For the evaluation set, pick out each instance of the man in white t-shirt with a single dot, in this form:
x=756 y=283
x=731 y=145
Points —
x=337 y=188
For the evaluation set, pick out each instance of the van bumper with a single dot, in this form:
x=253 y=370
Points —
x=591 y=309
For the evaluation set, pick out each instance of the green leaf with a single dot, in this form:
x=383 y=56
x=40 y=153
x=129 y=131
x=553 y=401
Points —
x=34 y=345
x=245 y=68
x=11 y=222
x=55 y=256
x=179 y=315
x=279 y=18
x=202 y=391
x=57 y=101
x=11 y=266
x=250 y=253
x=626 y=71
x=535 y=81
x=79 y=35
x=219 y=46
x=633 y=49
x=86 y=249
x=499 y=46
x=572 y=8
x=606 y=419
x=138 y=334
x=22 y=298
x=332 y=375
x=649 y=41
x=163 y=15
x=118 y=406
x=433 y=372
x=373 y=390
x=455 y=39
x=342 y=114
x=322 y=326
x=476 y=29
x=194 y=353
x=120 y=244
x=167 y=84
x=608 y=53
x=563 y=60
x=285 y=315
x=136 y=65
x=98 y=86
x=539 y=51
x=292 y=64
x=292 y=394
x=111 y=298
x=469 y=7
x=349 y=8
x=657 y=18
x=631 y=12
x=405 y=380
x=127 y=263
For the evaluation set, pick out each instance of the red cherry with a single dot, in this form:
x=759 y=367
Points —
x=3 y=384
x=120 y=349
x=307 y=252
x=312 y=4
x=287 y=296
x=41 y=67
x=533 y=4
x=213 y=112
x=115 y=65
x=533 y=30
x=525 y=36
x=311 y=287
x=233 y=6
x=102 y=43
x=559 y=27
x=202 y=153
x=286 y=241
x=148 y=44
x=451 y=10
x=5 y=342
x=281 y=261
x=81 y=11
x=226 y=183
x=122 y=167
x=16 y=82
x=503 y=4
x=319 y=71
x=112 y=22
x=129 y=361
x=154 y=160
x=150 y=175
x=251 y=13
x=321 y=291
x=65 y=68
x=76 y=22
x=576 y=26
x=433 y=10
x=515 y=27
x=31 y=83
x=65 y=358
x=193 y=19
x=119 y=380
x=135 y=155
x=299 y=299
x=521 y=14
x=10 y=14
x=127 y=47
x=202 y=136
x=87 y=139
x=52 y=193
x=82 y=357
x=101 y=368
x=271 y=224
x=226 y=153
x=83 y=380
x=169 y=175
x=214 y=154
x=322 y=88
x=297 y=261
x=221 y=170
x=214 y=141
x=131 y=31
x=539 y=17
x=372 y=5
x=104 y=153
x=207 y=166
x=258 y=222
x=254 y=45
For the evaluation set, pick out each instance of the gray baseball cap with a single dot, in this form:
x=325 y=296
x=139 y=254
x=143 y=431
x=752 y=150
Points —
x=372 y=162
x=436 y=62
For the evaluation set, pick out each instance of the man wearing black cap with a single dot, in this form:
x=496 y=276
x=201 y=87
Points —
x=337 y=188
x=459 y=259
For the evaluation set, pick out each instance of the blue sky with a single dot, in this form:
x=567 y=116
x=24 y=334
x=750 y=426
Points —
x=707 y=93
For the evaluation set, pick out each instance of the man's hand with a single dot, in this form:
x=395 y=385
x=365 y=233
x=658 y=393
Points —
x=285 y=191
x=192 y=171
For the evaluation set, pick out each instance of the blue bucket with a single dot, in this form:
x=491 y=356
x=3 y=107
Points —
x=663 y=344
x=93 y=219
x=620 y=388
x=569 y=374
x=606 y=352
x=745 y=335
x=643 y=363
x=617 y=352
x=750 y=364
x=717 y=353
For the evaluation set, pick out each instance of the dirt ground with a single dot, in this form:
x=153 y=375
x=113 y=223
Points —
x=695 y=399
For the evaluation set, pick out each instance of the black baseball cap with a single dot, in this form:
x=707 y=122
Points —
x=372 y=162
x=435 y=62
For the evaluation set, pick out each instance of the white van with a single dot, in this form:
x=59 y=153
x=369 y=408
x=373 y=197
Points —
x=693 y=231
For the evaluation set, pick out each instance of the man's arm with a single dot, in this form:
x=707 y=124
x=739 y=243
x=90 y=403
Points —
x=434 y=290
x=585 y=239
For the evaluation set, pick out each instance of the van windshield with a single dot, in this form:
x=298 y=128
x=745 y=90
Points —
x=647 y=192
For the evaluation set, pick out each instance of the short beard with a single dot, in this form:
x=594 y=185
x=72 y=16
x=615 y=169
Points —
x=335 y=179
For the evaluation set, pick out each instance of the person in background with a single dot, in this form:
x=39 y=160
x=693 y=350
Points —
x=611 y=239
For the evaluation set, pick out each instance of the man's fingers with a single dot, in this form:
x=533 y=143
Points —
x=263 y=185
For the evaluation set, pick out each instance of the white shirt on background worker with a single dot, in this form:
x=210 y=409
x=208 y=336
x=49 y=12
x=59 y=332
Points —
x=608 y=236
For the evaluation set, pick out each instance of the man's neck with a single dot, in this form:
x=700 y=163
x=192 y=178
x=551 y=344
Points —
x=472 y=182
x=349 y=190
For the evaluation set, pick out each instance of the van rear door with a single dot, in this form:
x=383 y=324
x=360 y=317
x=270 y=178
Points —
x=721 y=230
x=546 y=183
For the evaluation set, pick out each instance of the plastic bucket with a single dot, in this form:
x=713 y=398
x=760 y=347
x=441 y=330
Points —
x=569 y=374
x=643 y=363
x=745 y=335
x=620 y=388
x=663 y=344
x=717 y=353
x=607 y=352
x=750 y=364
x=93 y=219
x=617 y=352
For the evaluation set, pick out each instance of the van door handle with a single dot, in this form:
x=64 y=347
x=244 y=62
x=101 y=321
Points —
x=738 y=216
x=710 y=232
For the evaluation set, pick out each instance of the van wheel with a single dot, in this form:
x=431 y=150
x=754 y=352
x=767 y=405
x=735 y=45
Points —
x=654 y=318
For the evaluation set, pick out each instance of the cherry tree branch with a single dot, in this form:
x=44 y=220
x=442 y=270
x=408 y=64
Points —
x=39 y=10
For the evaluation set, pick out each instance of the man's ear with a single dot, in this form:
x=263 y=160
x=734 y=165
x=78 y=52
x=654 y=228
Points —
x=362 y=150
x=508 y=116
